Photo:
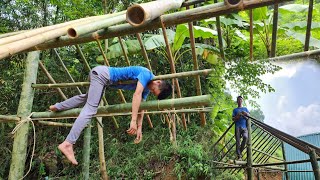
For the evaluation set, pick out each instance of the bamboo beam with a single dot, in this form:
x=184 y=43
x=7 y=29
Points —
x=19 y=151
x=257 y=150
x=139 y=14
x=34 y=32
x=309 y=22
x=160 y=77
x=294 y=56
x=194 y=101
x=283 y=163
x=11 y=34
x=86 y=152
x=194 y=110
x=195 y=14
x=6 y=118
x=80 y=30
x=274 y=29
x=57 y=124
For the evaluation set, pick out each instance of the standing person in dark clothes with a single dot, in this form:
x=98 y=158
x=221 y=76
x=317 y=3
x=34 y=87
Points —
x=238 y=116
x=100 y=78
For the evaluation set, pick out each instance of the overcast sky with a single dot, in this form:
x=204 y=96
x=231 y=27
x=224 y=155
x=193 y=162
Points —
x=295 y=106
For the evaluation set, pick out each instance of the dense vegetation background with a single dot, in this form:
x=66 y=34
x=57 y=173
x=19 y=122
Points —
x=193 y=156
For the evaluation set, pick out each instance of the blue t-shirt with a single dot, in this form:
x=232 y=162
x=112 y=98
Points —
x=142 y=74
x=242 y=121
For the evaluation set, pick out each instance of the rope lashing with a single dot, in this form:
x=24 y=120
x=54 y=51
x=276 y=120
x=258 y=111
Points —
x=20 y=123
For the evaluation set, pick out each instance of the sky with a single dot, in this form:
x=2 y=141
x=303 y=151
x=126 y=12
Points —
x=294 y=107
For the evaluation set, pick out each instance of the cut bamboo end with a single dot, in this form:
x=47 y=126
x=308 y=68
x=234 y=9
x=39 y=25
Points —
x=72 y=33
x=135 y=15
x=233 y=3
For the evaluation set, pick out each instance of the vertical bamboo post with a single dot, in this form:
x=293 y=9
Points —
x=172 y=66
x=314 y=163
x=103 y=168
x=19 y=151
x=195 y=67
x=86 y=153
x=309 y=21
x=285 y=159
x=218 y=24
x=251 y=34
x=249 y=151
x=275 y=29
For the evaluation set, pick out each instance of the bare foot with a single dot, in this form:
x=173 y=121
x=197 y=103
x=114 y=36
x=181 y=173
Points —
x=53 y=108
x=67 y=149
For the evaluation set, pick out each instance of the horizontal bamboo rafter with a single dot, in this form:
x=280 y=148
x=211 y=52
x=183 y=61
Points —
x=160 y=77
x=180 y=17
x=194 y=101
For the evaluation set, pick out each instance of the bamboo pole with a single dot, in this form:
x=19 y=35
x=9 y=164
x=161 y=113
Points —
x=66 y=69
x=34 y=32
x=314 y=163
x=124 y=51
x=11 y=34
x=283 y=163
x=9 y=118
x=144 y=52
x=57 y=124
x=77 y=31
x=19 y=150
x=172 y=67
x=250 y=174
x=251 y=34
x=43 y=68
x=171 y=19
x=233 y=3
x=86 y=152
x=139 y=14
x=285 y=159
x=274 y=29
x=160 y=77
x=309 y=22
x=195 y=66
x=23 y=44
x=103 y=168
x=194 y=101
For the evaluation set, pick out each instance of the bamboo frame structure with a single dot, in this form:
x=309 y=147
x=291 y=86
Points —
x=94 y=29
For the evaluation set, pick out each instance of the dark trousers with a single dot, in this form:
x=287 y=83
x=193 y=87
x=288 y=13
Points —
x=241 y=132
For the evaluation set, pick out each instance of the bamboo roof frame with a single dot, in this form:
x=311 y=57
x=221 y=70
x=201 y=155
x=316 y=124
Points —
x=169 y=20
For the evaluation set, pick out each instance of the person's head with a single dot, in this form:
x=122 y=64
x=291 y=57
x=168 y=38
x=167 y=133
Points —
x=239 y=101
x=160 y=88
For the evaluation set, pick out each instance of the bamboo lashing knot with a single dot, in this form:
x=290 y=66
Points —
x=21 y=122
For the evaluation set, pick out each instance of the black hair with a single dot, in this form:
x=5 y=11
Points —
x=166 y=90
x=239 y=97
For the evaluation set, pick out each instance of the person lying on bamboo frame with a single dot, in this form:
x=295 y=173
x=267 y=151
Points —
x=100 y=78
